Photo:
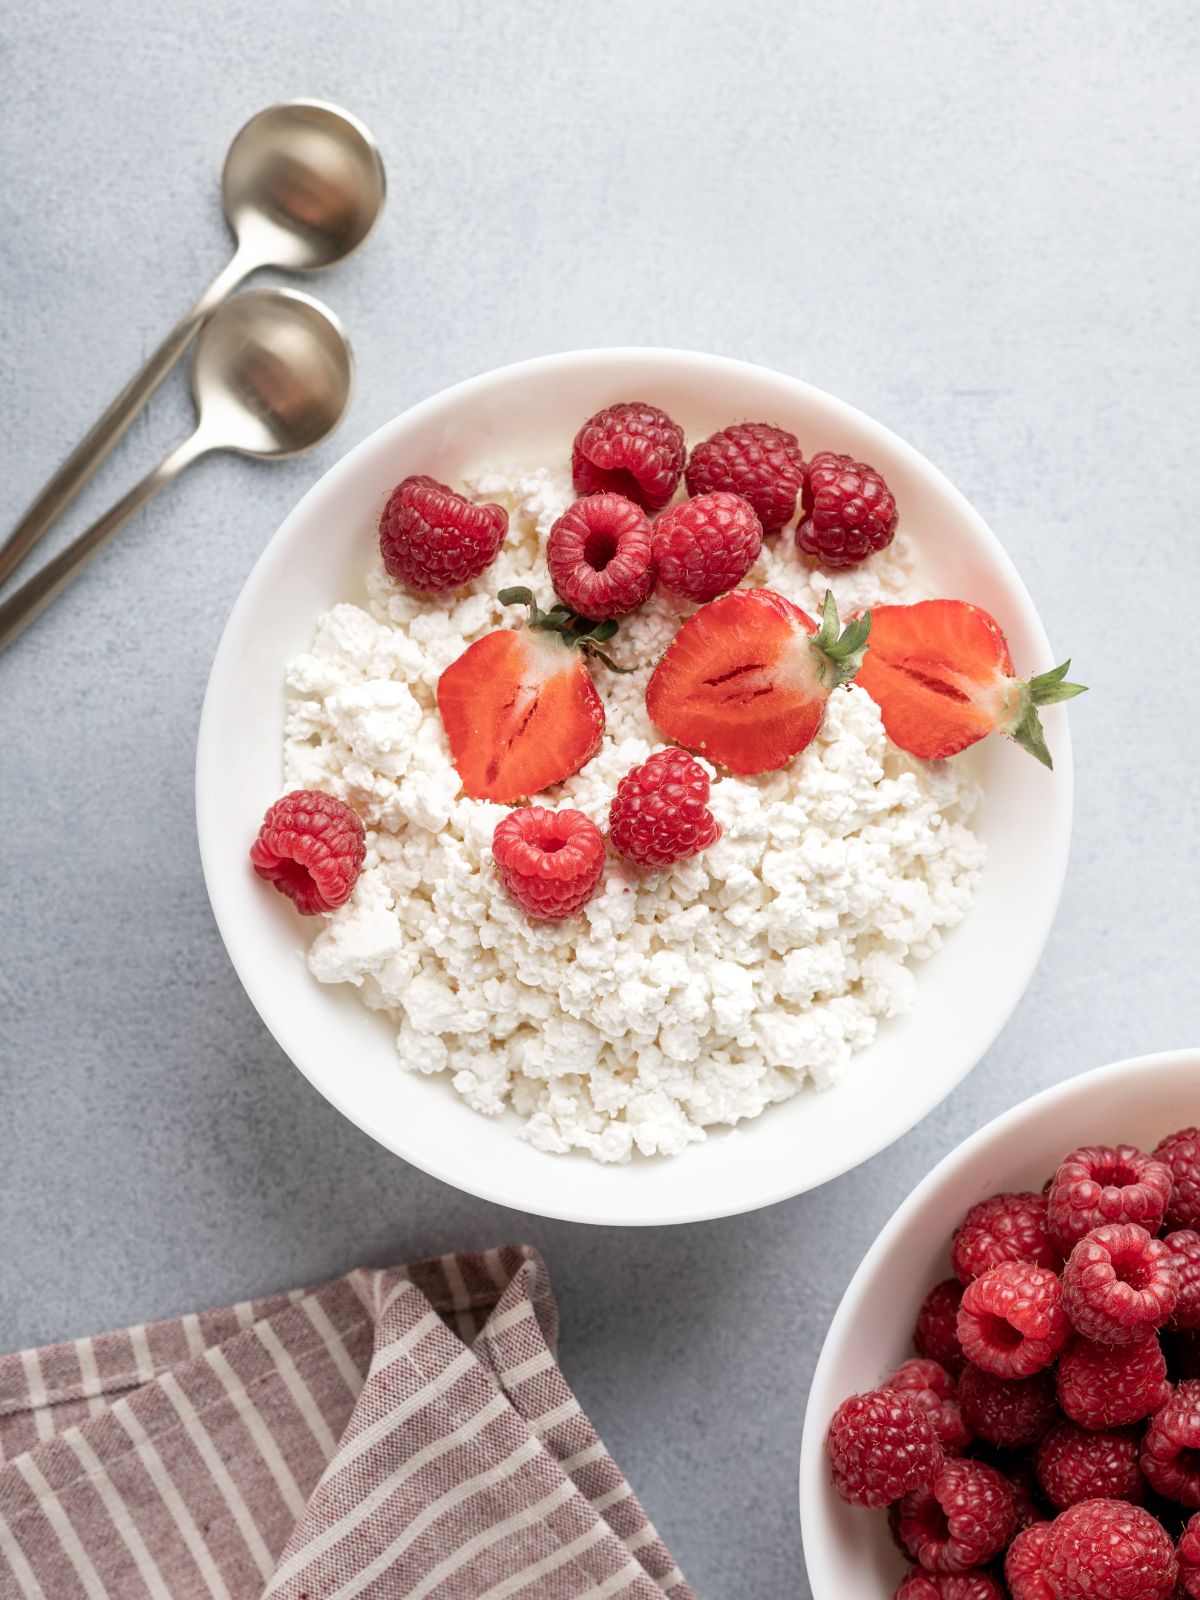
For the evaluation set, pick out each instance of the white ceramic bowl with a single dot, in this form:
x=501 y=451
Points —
x=319 y=556
x=848 y=1550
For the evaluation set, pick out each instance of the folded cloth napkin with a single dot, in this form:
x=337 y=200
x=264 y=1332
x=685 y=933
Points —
x=399 y=1433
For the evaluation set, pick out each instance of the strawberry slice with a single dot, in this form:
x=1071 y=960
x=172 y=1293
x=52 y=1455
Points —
x=942 y=676
x=746 y=678
x=519 y=705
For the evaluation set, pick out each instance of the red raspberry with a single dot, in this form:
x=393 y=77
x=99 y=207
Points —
x=1023 y=1564
x=660 y=811
x=1171 y=1447
x=632 y=449
x=1006 y=1227
x=964 y=1520
x=1099 y=1184
x=1075 y=1464
x=1011 y=1321
x=431 y=539
x=933 y=1388
x=919 y=1585
x=310 y=846
x=849 y=511
x=761 y=463
x=1119 y=1284
x=881 y=1446
x=1007 y=1412
x=1189 y=1559
x=1180 y=1154
x=936 y=1332
x=549 y=861
x=1102 y=1386
x=706 y=546
x=1184 y=1247
x=600 y=558
x=1108 y=1550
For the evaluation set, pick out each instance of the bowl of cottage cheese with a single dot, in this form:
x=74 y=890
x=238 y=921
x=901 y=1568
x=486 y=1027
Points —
x=698 y=1041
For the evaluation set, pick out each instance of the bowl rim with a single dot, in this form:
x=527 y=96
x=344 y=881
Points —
x=812 y=1474
x=1057 y=814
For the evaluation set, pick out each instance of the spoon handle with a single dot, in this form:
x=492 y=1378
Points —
x=99 y=440
x=36 y=593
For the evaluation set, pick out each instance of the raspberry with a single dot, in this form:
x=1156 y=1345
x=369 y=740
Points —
x=1105 y=1387
x=600 y=558
x=549 y=861
x=1108 y=1550
x=660 y=811
x=1075 y=1464
x=632 y=449
x=1184 y=1248
x=705 y=546
x=1007 y=1412
x=1180 y=1154
x=1171 y=1447
x=1006 y=1227
x=936 y=1332
x=932 y=1387
x=431 y=539
x=1100 y=1184
x=919 y=1585
x=1023 y=1564
x=964 y=1520
x=1011 y=1321
x=881 y=1446
x=1189 y=1559
x=849 y=511
x=761 y=463
x=1119 y=1284
x=310 y=846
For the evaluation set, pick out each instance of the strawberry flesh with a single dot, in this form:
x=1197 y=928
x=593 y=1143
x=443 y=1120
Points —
x=941 y=673
x=521 y=713
x=742 y=683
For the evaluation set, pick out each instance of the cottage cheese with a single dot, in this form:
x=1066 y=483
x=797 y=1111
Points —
x=678 y=1001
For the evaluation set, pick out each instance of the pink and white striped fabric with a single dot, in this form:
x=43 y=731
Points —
x=401 y=1433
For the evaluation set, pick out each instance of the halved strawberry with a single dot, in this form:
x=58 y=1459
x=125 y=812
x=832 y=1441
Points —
x=746 y=678
x=519 y=705
x=942 y=676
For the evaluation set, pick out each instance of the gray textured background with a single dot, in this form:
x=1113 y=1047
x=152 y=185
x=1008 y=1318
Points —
x=978 y=223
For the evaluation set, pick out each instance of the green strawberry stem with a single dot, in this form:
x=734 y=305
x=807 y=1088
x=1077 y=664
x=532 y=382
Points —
x=1047 y=689
x=839 y=650
x=574 y=631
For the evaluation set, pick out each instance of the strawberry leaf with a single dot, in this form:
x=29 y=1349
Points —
x=840 y=652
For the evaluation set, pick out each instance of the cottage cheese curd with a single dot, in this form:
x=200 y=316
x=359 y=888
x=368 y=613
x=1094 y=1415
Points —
x=680 y=1000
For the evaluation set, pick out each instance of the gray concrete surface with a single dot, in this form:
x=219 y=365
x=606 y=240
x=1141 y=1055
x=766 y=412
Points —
x=978 y=223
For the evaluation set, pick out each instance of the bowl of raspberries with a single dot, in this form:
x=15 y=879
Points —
x=1007 y=1406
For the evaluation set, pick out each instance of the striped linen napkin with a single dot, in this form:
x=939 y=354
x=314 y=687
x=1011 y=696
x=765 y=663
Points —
x=400 y=1433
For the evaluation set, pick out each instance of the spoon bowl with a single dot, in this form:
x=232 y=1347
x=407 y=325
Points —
x=303 y=185
x=272 y=374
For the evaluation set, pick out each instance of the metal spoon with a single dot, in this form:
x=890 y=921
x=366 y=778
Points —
x=303 y=186
x=272 y=376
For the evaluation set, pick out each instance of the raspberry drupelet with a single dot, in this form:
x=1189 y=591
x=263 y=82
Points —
x=849 y=511
x=706 y=546
x=1011 y=1321
x=1075 y=1464
x=1179 y=1152
x=1005 y=1227
x=1189 y=1559
x=933 y=1388
x=433 y=540
x=1023 y=1564
x=1184 y=1247
x=936 y=1332
x=1098 y=1184
x=549 y=861
x=1119 y=1284
x=1108 y=1550
x=633 y=449
x=600 y=558
x=761 y=463
x=1171 y=1447
x=964 y=1519
x=881 y=1446
x=311 y=847
x=921 y=1585
x=660 y=813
